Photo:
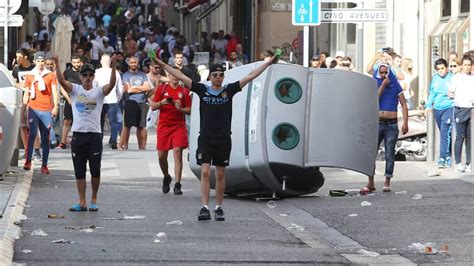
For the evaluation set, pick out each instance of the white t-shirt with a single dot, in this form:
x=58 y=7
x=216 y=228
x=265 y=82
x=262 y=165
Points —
x=462 y=86
x=151 y=46
x=97 y=48
x=86 y=108
x=102 y=77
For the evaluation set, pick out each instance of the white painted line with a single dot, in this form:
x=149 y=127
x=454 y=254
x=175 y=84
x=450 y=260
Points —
x=109 y=169
x=318 y=234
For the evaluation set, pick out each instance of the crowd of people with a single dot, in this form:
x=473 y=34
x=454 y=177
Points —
x=141 y=75
x=118 y=76
x=451 y=99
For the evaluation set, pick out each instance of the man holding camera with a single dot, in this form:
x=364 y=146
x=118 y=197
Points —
x=174 y=102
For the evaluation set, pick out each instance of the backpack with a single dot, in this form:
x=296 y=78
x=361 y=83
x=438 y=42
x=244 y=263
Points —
x=141 y=44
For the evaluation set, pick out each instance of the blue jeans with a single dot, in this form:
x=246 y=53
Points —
x=42 y=120
x=463 y=132
x=444 y=120
x=388 y=132
x=114 y=113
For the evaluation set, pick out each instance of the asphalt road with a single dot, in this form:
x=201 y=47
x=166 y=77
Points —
x=313 y=229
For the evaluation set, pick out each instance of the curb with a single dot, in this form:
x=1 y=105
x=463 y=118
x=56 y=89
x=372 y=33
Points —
x=15 y=207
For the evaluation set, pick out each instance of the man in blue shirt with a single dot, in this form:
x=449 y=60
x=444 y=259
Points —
x=390 y=93
x=443 y=109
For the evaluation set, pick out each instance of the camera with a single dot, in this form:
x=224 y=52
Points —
x=169 y=99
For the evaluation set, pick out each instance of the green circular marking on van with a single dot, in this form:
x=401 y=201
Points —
x=288 y=90
x=285 y=136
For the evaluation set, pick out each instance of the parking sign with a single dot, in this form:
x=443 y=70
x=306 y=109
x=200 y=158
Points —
x=306 y=12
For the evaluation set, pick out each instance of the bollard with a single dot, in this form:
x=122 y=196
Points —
x=430 y=134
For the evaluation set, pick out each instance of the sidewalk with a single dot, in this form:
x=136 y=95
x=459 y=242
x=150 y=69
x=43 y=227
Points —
x=14 y=192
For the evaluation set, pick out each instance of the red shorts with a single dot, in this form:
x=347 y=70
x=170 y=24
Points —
x=170 y=137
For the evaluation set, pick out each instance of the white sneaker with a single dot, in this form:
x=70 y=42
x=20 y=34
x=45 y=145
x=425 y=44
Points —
x=459 y=168
x=468 y=168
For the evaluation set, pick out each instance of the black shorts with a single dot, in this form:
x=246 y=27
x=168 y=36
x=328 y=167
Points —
x=134 y=114
x=86 y=147
x=67 y=111
x=214 y=150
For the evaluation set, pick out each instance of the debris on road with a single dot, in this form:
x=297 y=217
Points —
x=401 y=192
x=417 y=197
x=271 y=204
x=296 y=227
x=353 y=215
x=176 y=222
x=283 y=214
x=160 y=237
x=63 y=241
x=135 y=217
x=38 y=232
x=427 y=248
x=26 y=251
x=365 y=203
x=56 y=216
x=81 y=227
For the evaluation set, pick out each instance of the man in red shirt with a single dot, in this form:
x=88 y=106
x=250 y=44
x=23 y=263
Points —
x=174 y=102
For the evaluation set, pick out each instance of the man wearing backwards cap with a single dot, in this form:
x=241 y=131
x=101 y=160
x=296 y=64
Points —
x=86 y=143
x=214 y=142
x=42 y=100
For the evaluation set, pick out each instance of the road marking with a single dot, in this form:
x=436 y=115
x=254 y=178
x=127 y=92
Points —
x=318 y=234
x=109 y=169
x=155 y=170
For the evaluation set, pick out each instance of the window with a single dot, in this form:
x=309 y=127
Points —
x=464 y=6
x=446 y=8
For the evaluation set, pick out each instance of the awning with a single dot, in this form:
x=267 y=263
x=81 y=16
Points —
x=209 y=10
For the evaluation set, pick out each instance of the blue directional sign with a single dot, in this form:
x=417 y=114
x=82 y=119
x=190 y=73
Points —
x=306 y=12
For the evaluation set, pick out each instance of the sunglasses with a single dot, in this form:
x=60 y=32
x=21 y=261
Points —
x=383 y=72
x=217 y=74
x=88 y=75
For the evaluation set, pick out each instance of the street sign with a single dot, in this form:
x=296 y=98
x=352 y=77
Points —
x=47 y=7
x=13 y=21
x=353 y=15
x=306 y=12
x=14 y=6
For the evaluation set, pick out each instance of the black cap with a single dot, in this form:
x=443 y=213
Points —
x=216 y=68
x=87 y=68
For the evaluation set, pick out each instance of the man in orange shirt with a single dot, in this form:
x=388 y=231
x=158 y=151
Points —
x=41 y=98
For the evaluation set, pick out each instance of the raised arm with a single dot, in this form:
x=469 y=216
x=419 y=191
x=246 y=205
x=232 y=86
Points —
x=370 y=66
x=66 y=85
x=175 y=72
x=256 y=72
x=113 y=78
